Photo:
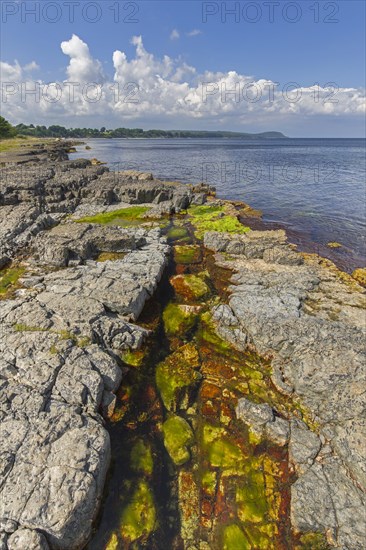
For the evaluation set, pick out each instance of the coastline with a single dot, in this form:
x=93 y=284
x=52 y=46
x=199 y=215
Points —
x=293 y=311
x=305 y=225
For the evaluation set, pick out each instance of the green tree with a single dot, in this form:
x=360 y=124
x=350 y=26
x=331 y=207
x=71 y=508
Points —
x=6 y=129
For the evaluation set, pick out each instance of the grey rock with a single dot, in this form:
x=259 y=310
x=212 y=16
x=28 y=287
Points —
x=311 y=321
x=304 y=445
x=25 y=538
x=263 y=421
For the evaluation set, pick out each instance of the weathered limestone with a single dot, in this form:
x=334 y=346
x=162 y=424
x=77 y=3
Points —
x=60 y=339
x=310 y=319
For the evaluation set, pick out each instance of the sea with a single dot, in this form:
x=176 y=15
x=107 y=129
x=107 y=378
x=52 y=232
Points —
x=313 y=188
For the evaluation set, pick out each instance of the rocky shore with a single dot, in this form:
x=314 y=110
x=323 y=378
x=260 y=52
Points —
x=262 y=368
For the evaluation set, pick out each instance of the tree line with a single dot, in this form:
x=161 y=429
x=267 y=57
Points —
x=55 y=131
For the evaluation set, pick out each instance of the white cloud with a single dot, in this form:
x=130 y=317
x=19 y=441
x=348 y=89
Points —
x=174 y=35
x=82 y=67
x=164 y=91
x=194 y=32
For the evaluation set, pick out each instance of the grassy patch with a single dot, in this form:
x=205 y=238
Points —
x=17 y=142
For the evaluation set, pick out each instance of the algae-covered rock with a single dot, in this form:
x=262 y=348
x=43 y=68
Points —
x=174 y=378
x=187 y=254
x=142 y=458
x=178 y=234
x=112 y=544
x=178 y=319
x=221 y=452
x=214 y=218
x=360 y=275
x=139 y=517
x=312 y=541
x=235 y=539
x=190 y=287
x=178 y=436
x=9 y=278
x=121 y=216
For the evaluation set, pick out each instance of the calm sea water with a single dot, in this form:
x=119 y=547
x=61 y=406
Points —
x=315 y=188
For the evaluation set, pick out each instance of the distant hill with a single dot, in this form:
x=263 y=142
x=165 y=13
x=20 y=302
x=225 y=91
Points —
x=60 y=131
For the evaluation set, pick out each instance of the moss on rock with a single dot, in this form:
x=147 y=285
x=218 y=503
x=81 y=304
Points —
x=178 y=437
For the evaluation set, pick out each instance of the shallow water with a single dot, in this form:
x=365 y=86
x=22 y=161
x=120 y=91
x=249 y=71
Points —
x=313 y=187
x=199 y=478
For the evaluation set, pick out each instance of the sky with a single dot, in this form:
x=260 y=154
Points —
x=252 y=66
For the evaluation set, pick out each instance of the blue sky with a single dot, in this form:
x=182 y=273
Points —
x=325 y=44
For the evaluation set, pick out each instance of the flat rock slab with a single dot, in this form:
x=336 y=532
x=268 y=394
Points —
x=311 y=320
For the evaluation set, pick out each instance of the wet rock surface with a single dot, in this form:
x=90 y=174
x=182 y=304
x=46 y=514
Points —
x=66 y=315
x=310 y=319
x=218 y=370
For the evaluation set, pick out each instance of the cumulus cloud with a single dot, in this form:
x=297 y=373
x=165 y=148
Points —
x=174 y=35
x=82 y=66
x=146 y=89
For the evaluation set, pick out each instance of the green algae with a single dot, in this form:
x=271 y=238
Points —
x=209 y=481
x=173 y=376
x=110 y=256
x=214 y=218
x=178 y=437
x=134 y=358
x=142 y=458
x=235 y=539
x=130 y=214
x=178 y=320
x=251 y=498
x=112 y=544
x=312 y=541
x=177 y=233
x=9 y=278
x=139 y=517
x=207 y=334
x=190 y=287
x=18 y=327
x=187 y=254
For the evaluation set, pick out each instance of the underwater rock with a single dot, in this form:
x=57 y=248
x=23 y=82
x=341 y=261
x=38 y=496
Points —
x=178 y=437
x=190 y=287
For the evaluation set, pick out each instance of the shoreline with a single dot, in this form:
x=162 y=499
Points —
x=346 y=259
x=90 y=252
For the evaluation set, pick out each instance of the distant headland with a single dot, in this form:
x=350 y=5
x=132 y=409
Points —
x=60 y=131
